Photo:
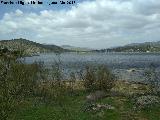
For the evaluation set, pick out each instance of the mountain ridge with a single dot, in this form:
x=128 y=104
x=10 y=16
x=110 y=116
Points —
x=29 y=47
x=135 y=47
x=139 y=47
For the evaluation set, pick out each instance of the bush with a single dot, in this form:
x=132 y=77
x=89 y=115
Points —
x=99 y=78
x=90 y=78
x=17 y=82
x=105 y=79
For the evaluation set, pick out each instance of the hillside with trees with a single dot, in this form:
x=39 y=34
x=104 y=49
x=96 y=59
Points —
x=135 y=47
x=29 y=47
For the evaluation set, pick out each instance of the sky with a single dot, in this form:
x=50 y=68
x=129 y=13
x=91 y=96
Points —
x=87 y=23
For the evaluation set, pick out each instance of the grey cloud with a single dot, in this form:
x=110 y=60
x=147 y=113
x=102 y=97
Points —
x=96 y=24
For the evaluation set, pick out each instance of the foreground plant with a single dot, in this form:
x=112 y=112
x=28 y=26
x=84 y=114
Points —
x=99 y=78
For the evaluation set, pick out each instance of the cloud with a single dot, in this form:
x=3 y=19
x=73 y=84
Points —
x=18 y=12
x=95 y=24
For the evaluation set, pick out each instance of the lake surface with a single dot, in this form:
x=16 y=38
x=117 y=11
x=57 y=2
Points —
x=121 y=64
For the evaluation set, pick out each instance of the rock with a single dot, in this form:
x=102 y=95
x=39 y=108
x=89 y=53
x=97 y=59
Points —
x=98 y=107
x=147 y=101
x=105 y=106
x=96 y=96
x=131 y=70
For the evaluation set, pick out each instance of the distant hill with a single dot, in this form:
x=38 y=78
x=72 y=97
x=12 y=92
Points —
x=73 y=48
x=136 y=47
x=29 y=47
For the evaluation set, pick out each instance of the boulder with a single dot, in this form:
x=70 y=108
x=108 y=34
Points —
x=98 y=107
x=95 y=96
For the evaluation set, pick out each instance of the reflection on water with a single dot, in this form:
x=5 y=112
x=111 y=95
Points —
x=127 y=66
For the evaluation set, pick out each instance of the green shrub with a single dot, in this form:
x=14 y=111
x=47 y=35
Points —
x=90 y=79
x=105 y=79
x=17 y=82
x=98 y=78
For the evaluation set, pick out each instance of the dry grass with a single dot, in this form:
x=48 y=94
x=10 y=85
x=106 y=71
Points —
x=130 y=88
x=121 y=86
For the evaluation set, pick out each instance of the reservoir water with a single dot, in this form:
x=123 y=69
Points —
x=126 y=66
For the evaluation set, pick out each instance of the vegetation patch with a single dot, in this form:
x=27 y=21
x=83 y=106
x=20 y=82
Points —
x=27 y=93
